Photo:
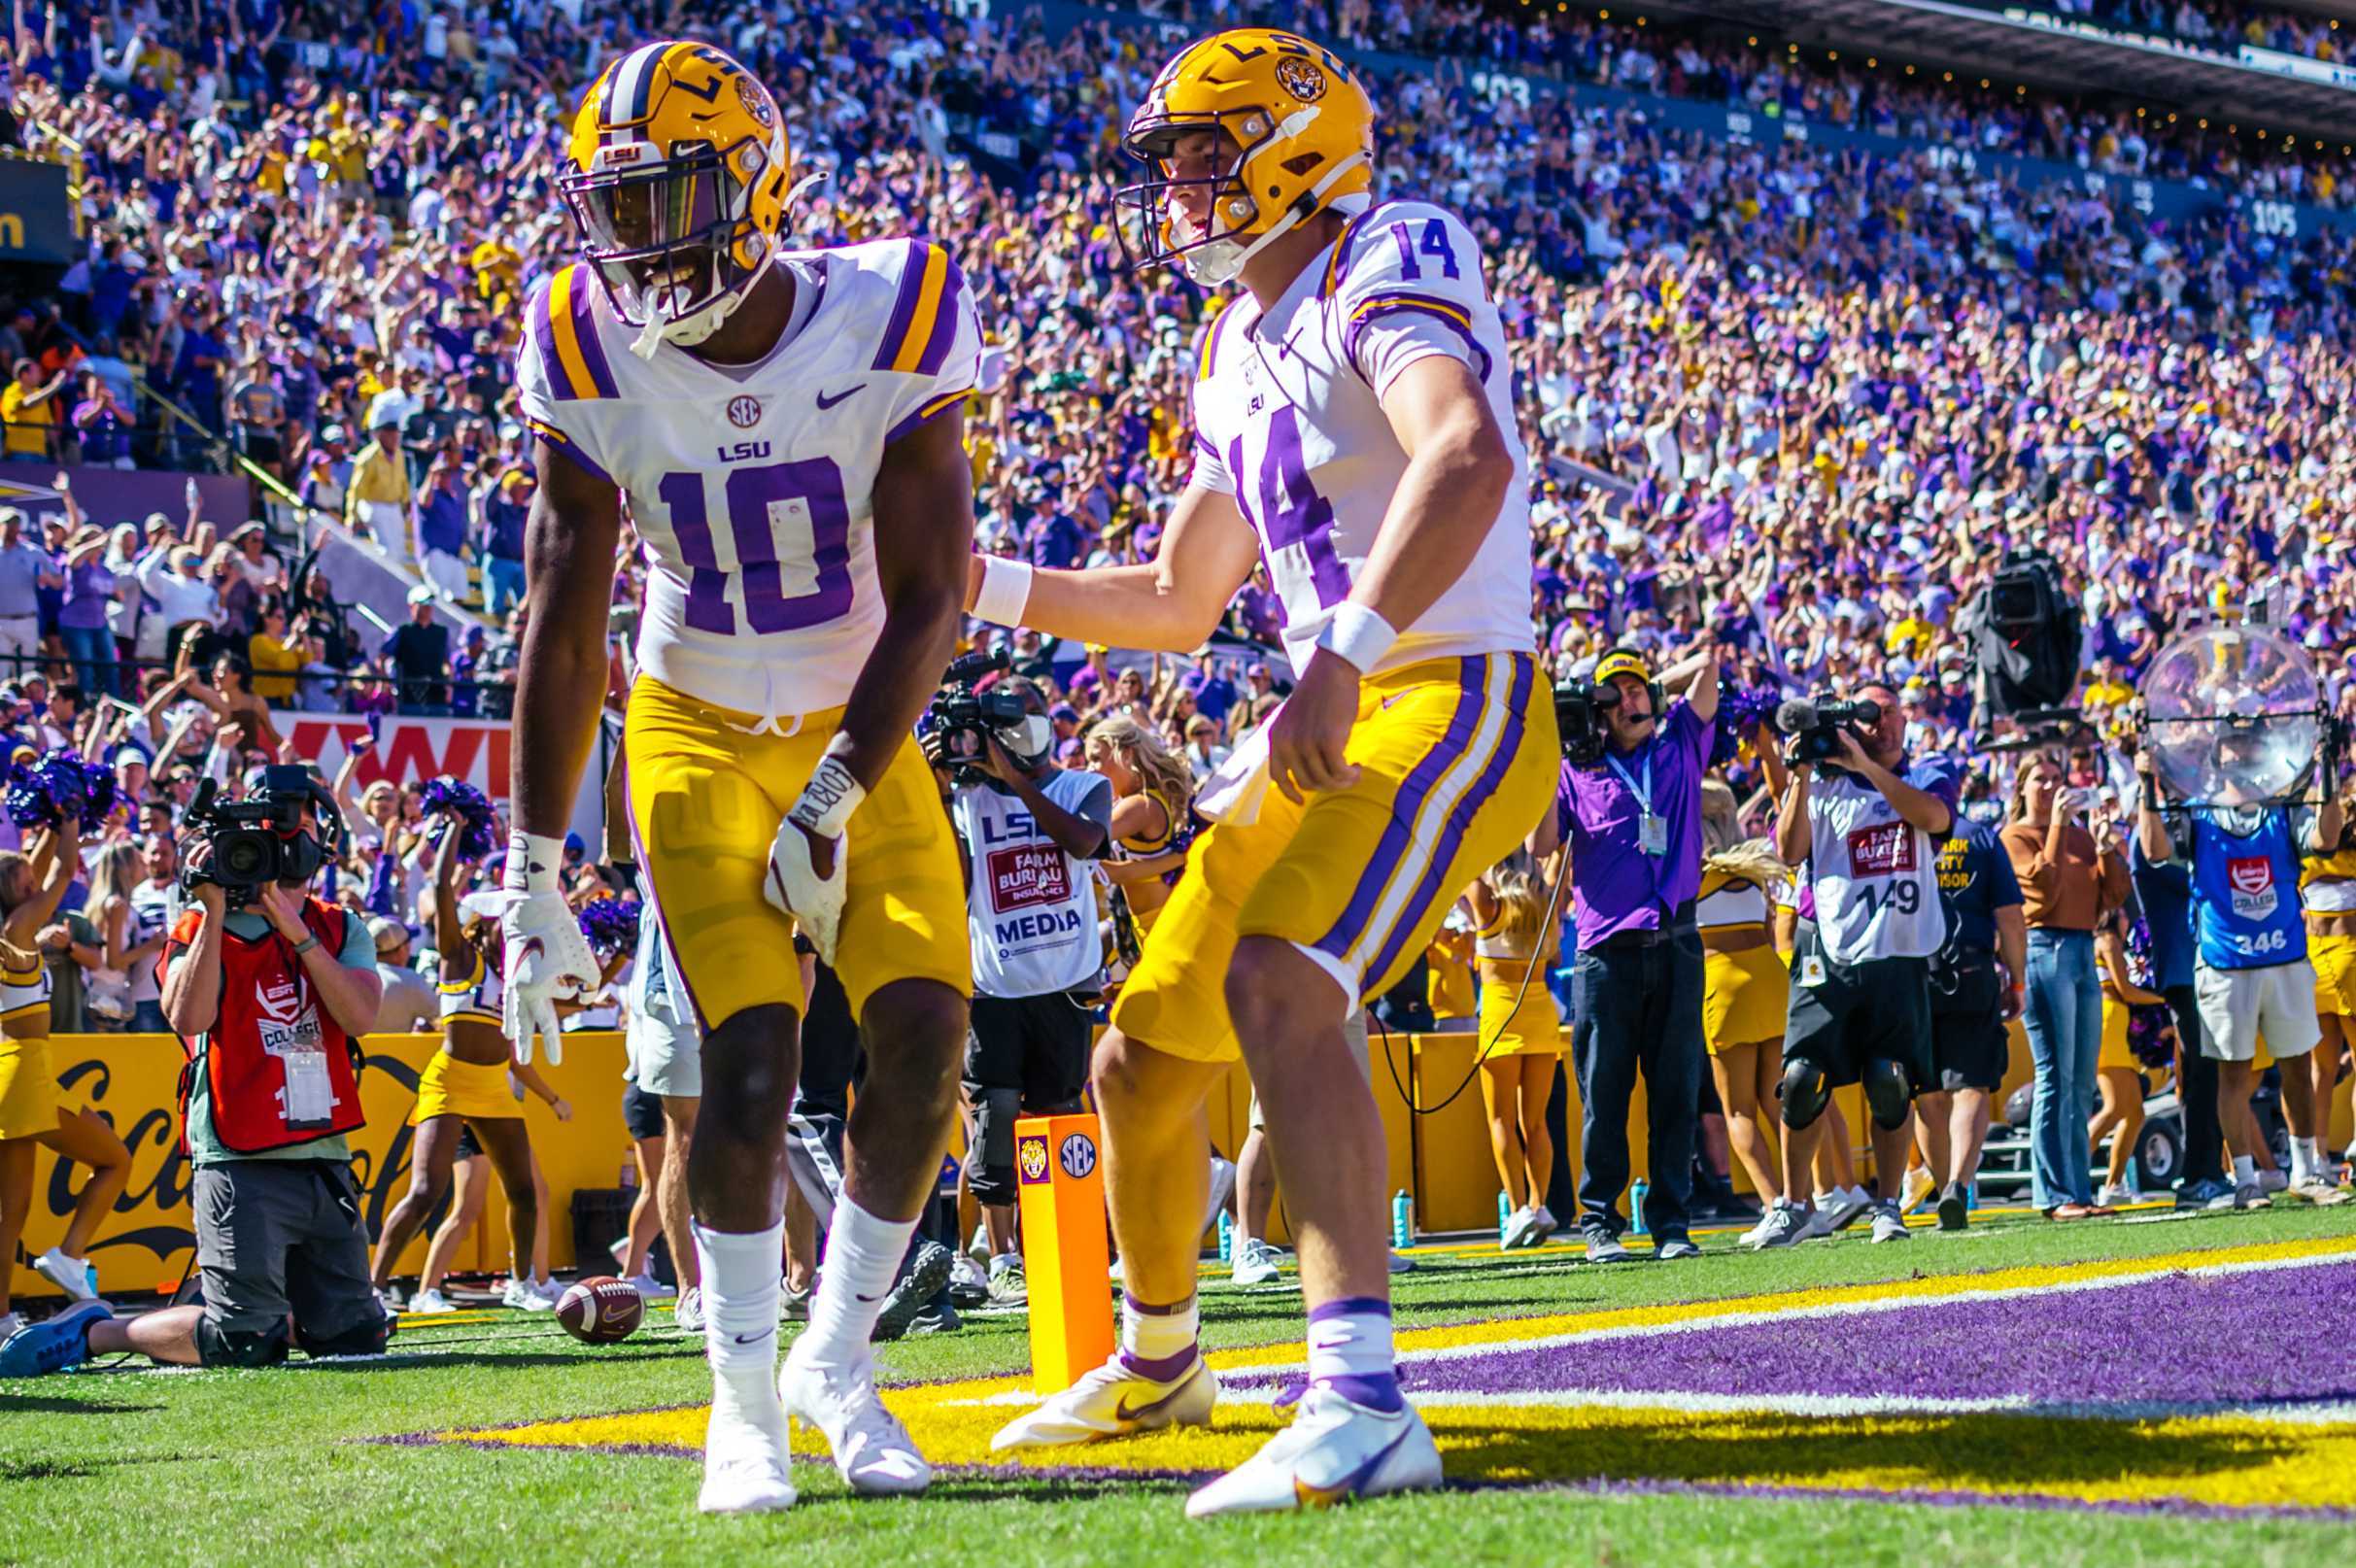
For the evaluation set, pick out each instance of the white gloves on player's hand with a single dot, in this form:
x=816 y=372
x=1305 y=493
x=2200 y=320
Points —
x=793 y=884
x=547 y=961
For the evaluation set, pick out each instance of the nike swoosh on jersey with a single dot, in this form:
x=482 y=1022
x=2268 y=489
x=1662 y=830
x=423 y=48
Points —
x=825 y=402
x=755 y=1338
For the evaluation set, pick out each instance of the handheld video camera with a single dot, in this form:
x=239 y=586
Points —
x=249 y=843
x=1581 y=704
x=963 y=717
x=1815 y=726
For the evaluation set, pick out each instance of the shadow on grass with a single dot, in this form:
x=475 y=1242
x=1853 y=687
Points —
x=45 y=1405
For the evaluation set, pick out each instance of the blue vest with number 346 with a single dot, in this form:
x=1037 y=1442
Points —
x=2246 y=894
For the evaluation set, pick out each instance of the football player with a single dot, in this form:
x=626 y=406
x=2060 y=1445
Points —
x=785 y=429
x=1354 y=429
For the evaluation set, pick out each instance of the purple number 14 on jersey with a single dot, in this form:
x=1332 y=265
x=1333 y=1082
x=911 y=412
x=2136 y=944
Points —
x=1289 y=511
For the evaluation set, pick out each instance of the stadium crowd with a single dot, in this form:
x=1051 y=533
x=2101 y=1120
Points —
x=1785 y=404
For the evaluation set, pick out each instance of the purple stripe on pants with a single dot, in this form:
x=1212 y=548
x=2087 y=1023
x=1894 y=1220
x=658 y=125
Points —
x=1474 y=676
x=1452 y=837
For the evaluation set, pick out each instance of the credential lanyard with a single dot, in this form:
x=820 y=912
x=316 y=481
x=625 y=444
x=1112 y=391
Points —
x=1652 y=833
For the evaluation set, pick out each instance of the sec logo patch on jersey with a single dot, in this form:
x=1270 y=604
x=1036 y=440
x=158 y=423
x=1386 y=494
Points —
x=744 y=412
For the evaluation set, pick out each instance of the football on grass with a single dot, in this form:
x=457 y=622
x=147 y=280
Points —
x=601 y=1309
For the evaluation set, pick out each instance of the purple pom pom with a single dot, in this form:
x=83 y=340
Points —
x=610 y=924
x=60 y=787
x=469 y=805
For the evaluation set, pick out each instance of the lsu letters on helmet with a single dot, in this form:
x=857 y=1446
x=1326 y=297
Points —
x=676 y=174
x=1293 y=117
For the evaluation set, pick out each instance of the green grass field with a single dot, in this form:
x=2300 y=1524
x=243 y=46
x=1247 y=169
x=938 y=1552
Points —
x=278 y=1466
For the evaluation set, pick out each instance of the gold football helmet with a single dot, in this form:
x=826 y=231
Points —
x=1293 y=117
x=676 y=175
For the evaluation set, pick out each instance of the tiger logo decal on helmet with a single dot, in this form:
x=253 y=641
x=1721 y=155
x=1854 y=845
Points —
x=1285 y=129
x=676 y=174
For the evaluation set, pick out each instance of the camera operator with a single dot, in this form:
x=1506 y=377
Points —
x=1029 y=831
x=1634 y=824
x=2250 y=969
x=268 y=988
x=1869 y=832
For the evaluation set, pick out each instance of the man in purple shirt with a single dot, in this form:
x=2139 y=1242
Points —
x=1632 y=823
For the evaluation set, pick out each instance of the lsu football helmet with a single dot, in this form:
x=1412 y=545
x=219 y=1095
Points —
x=1292 y=117
x=676 y=174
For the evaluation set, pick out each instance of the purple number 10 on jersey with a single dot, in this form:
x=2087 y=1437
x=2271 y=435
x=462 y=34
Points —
x=755 y=522
x=1291 y=512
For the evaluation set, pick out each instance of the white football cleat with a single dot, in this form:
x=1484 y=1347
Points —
x=427 y=1300
x=744 y=1463
x=1112 y=1401
x=1332 y=1451
x=872 y=1451
x=690 y=1313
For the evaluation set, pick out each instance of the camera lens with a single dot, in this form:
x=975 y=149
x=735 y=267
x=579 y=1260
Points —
x=241 y=858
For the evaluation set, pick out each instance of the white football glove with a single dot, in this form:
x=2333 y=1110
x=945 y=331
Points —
x=546 y=959
x=793 y=884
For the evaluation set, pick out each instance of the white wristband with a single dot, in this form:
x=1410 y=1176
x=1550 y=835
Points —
x=533 y=859
x=1005 y=591
x=828 y=798
x=1358 y=635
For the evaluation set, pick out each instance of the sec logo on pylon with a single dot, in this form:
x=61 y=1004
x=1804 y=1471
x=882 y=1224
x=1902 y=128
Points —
x=1077 y=1156
x=1031 y=1159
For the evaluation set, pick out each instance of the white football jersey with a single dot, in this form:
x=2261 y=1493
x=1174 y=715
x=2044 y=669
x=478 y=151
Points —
x=1289 y=419
x=753 y=486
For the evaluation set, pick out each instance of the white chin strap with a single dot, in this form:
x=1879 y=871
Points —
x=1218 y=262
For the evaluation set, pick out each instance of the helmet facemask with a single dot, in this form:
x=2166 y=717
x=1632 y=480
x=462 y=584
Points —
x=1152 y=230
x=674 y=242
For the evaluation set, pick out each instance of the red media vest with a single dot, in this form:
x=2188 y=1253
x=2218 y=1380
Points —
x=278 y=1069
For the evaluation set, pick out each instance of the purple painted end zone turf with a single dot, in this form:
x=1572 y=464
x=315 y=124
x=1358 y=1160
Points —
x=2272 y=1334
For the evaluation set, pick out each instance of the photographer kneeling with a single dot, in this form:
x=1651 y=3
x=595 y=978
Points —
x=268 y=988
x=1030 y=832
x=1860 y=1003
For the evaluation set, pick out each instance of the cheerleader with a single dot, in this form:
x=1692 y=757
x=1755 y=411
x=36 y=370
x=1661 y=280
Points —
x=1746 y=987
x=32 y=1113
x=466 y=1082
x=1521 y=1039
x=2327 y=887
x=2118 y=1076
x=1152 y=813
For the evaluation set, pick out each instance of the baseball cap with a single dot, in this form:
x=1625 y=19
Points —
x=1623 y=662
x=421 y=595
x=332 y=432
x=388 y=934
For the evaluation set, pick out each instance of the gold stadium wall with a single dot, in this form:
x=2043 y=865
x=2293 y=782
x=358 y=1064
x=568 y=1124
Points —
x=1443 y=1158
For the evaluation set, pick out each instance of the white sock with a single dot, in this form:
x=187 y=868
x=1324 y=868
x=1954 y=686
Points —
x=2246 y=1170
x=1159 y=1341
x=741 y=1304
x=863 y=1254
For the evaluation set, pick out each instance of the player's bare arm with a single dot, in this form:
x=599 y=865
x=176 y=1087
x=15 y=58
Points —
x=1171 y=603
x=1458 y=470
x=569 y=548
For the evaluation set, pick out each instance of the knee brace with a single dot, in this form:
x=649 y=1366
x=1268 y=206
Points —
x=990 y=1166
x=1803 y=1093
x=1889 y=1092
